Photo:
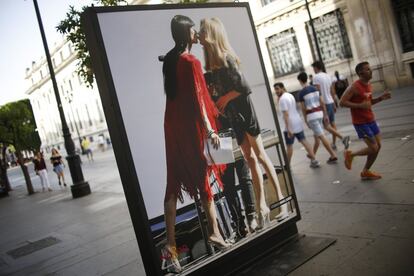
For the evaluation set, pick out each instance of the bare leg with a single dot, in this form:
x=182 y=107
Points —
x=259 y=150
x=308 y=148
x=170 y=209
x=264 y=160
x=327 y=146
x=332 y=129
x=63 y=178
x=333 y=125
x=289 y=151
x=374 y=146
x=212 y=225
x=315 y=144
x=257 y=176
x=169 y=252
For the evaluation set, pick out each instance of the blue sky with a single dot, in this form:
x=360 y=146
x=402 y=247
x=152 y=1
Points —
x=21 y=42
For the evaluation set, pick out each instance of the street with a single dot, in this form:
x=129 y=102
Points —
x=373 y=222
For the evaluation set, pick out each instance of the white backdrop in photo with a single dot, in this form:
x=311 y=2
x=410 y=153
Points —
x=133 y=40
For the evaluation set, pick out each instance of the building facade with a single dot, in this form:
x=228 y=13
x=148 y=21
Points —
x=81 y=104
x=348 y=32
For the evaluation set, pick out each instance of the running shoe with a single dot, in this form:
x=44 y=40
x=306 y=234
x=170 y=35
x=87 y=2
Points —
x=332 y=160
x=369 y=175
x=333 y=146
x=315 y=164
x=346 y=141
x=348 y=159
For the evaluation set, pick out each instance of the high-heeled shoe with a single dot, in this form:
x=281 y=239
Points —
x=284 y=213
x=252 y=225
x=170 y=260
x=221 y=245
x=263 y=219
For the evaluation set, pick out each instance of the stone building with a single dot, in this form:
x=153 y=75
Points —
x=81 y=104
x=378 y=31
x=348 y=31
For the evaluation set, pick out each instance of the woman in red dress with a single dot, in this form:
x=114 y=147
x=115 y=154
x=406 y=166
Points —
x=189 y=119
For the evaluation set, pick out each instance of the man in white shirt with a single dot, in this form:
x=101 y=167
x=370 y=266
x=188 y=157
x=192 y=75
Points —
x=293 y=125
x=323 y=82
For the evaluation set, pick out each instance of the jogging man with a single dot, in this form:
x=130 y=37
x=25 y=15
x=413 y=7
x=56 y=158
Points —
x=358 y=97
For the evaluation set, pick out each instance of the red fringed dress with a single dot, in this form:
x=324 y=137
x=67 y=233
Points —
x=185 y=132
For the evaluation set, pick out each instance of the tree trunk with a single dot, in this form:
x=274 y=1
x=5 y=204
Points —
x=25 y=173
x=3 y=170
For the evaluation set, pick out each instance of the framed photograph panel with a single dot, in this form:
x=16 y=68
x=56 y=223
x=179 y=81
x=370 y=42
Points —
x=191 y=217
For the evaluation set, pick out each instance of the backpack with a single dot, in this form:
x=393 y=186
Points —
x=340 y=86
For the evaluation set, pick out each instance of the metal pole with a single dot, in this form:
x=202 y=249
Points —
x=74 y=121
x=315 y=38
x=80 y=187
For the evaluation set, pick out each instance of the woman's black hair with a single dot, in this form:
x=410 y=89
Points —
x=180 y=29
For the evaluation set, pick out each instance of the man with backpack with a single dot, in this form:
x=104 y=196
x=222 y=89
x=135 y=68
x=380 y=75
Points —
x=339 y=85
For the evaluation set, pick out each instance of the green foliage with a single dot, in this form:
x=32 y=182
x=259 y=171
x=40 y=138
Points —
x=72 y=28
x=18 y=126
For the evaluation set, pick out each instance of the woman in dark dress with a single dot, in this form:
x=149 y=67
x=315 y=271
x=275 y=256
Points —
x=234 y=102
x=189 y=119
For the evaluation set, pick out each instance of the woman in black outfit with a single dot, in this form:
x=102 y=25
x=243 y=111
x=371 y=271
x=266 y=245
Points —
x=58 y=166
x=234 y=102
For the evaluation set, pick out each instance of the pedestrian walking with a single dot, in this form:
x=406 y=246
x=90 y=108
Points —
x=358 y=97
x=86 y=145
x=41 y=171
x=58 y=166
x=314 y=112
x=339 y=86
x=293 y=124
x=101 y=142
x=323 y=82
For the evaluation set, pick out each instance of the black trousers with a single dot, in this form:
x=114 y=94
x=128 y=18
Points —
x=246 y=187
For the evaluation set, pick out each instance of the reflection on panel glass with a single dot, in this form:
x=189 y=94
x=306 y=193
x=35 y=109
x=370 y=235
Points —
x=284 y=53
x=332 y=37
x=266 y=2
x=404 y=15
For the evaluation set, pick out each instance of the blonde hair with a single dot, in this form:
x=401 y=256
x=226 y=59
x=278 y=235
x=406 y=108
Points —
x=217 y=46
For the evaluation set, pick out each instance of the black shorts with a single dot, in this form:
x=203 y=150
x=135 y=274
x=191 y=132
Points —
x=242 y=118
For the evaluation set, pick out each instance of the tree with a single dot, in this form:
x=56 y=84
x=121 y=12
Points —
x=4 y=179
x=18 y=128
x=72 y=28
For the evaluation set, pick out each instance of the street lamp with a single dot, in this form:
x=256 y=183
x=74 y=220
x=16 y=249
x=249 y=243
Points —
x=80 y=187
x=69 y=99
x=315 y=38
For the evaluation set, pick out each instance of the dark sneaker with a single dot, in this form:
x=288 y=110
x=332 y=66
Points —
x=333 y=146
x=345 y=141
x=332 y=160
